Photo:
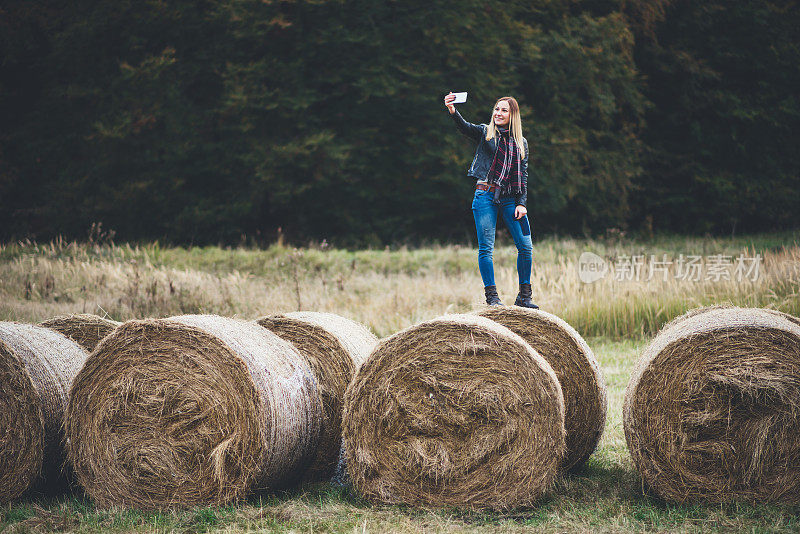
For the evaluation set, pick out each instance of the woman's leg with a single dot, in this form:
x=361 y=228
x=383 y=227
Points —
x=521 y=233
x=485 y=214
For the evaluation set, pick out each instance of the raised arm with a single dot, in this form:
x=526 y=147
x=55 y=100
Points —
x=473 y=131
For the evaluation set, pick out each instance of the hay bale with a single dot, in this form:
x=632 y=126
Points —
x=456 y=411
x=704 y=309
x=84 y=329
x=691 y=313
x=194 y=410
x=335 y=347
x=37 y=366
x=788 y=317
x=712 y=410
x=576 y=368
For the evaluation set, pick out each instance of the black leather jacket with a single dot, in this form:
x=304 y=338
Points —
x=484 y=154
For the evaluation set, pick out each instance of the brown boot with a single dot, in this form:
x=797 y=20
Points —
x=524 y=297
x=492 y=298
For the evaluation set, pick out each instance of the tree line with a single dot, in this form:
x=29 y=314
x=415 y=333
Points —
x=216 y=121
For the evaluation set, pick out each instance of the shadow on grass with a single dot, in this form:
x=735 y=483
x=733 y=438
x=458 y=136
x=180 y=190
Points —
x=599 y=496
x=606 y=492
x=604 y=497
x=37 y=513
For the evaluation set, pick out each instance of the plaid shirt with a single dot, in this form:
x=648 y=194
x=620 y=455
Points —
x=485 y=153
x=506 y=169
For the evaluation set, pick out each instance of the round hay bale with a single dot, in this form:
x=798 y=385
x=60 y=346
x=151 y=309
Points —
x=694 y=311
x=704 y=309
x=712 y=410
x=335 y=347
x=37 y=366
x=193 y=410
x=576 y=368
x=457 y=411
x=787 y=316
x=84 y=329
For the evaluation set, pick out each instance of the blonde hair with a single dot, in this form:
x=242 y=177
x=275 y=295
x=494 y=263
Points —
x=515 y=124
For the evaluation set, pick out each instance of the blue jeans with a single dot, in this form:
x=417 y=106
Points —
x=485 y=213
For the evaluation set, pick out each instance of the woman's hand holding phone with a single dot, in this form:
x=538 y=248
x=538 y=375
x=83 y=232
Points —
x=448 y=102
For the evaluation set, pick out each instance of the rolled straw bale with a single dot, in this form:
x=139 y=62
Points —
x=335 y=347
x=455 y=411
x=576 y=368
x=704 y=309
x=84 y=329
x=693 y=312
x=193 y=410
x=37 y=366
x=787 y=316
x=712 y=410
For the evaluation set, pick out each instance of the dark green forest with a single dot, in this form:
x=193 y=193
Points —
x=197 y=122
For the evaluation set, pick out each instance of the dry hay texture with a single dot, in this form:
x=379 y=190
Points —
x=712 y=411
x=457 y=411
x=576 y=368
x=704 y=309
x=84 y=329
x=335 y=347
x=37 y=366
x=193 y=410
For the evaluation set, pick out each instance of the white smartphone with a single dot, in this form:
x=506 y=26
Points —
x=460 y=98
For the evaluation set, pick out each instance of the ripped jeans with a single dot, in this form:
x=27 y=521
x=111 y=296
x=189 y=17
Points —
x=485 y=213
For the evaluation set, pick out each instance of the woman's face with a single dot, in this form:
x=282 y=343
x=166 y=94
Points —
x=502 y=113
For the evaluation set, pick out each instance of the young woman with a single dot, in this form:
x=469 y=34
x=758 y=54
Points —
x=500 y=168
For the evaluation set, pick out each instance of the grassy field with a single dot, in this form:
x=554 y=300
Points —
x=392 y=288
x=389 y=290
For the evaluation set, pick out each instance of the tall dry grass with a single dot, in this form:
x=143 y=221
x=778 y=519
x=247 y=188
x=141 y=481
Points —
x=385 y=289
